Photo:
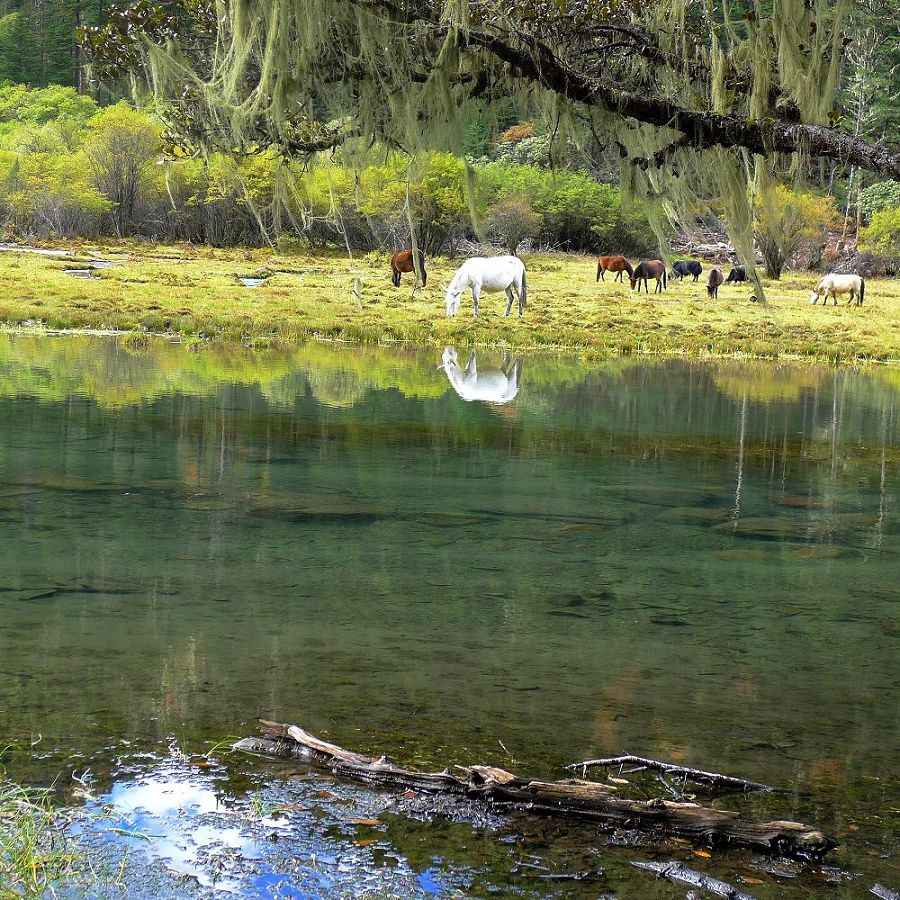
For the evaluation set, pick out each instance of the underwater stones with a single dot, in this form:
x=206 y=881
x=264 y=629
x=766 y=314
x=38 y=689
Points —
x=766 y=528
x=69 y=484
x=742 y=555
x=568 y=603
x=568 y=600
x=818 y=551
x=314 y=508
x=669 y=495
x=695 y=515
x=801 y=501
x=668 y=621
x=453 y=520
x=788 y=553
x=821 y=528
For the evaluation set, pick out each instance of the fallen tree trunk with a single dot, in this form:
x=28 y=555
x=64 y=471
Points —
x=573 y=798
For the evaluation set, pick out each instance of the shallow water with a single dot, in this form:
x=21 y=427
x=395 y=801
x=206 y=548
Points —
x=692 y=561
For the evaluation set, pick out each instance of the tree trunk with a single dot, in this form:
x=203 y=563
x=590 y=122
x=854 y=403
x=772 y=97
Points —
x=573 y=798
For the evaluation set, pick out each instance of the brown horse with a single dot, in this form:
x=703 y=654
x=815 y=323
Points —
x=613 y=264
x=713 y=280
x=650 y=268
x=402 y=261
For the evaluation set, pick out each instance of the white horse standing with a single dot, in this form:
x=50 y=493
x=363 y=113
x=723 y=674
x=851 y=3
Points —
x=832 y=285
x=489 y=385
x=491 y=274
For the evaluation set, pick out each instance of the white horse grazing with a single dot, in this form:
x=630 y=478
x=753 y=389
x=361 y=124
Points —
x=486 y=384
x=491 y=274
x=832 y=285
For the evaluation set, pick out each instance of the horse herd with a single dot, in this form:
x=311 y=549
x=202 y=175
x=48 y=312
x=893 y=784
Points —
x=656 y=268
x=507 y=273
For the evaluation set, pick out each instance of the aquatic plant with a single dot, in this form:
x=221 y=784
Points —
x=35 y=852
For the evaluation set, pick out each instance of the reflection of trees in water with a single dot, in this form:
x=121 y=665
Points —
x=763 y=382
x=304 y=625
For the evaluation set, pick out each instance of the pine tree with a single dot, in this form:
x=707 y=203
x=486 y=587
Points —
x=38 y=44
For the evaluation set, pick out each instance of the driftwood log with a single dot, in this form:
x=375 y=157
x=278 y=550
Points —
x=573 y=798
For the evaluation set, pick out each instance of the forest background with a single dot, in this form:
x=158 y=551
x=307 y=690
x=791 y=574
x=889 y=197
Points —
x=79 y=161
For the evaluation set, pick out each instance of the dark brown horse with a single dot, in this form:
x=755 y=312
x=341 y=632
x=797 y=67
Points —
x=713 y=280
x=402 y=261
x=650 y=268
x=613 y=264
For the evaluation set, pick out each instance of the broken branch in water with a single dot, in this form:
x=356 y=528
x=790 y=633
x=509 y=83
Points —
x=680 y=874
x=697 y=775
x=883 y=892
x=572 y=798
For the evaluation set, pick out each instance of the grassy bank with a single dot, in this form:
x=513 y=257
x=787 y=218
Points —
x=195 y=291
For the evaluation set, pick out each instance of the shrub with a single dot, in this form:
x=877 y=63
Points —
x=38 y=106
x=878 y=196
x=511 y=221
x=576 y=212
x=786 y=221
x=50 y=195
x=122 y=152
x=881 y=237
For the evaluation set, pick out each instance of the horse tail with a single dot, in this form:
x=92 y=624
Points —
x=665 y=278
x=524 y=295
x=862 y=290
x=599 y=268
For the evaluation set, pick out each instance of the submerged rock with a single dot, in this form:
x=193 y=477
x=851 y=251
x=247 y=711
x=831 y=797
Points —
x=801 y=501
x=695 y=515
x=665 y=496
x=316 y=508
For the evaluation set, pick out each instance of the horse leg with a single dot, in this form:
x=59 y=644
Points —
x=476 y=292
x=510 y=298
x=619 y=274
x=395 y=277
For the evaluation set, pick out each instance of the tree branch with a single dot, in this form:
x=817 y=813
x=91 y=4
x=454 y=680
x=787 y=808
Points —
x=532 y=60
x=701 y=129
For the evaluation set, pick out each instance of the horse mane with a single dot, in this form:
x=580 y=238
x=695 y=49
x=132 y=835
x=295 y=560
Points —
x=629 y=268
x=460 y=278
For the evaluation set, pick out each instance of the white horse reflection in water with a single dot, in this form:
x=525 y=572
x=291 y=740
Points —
x=490 y=385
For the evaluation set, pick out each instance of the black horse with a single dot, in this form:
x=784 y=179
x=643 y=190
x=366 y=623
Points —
x=738 y=273
x=687 y=267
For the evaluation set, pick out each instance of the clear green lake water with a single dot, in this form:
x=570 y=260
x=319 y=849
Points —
x=694 y=561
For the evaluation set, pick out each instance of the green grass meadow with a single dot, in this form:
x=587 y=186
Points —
x=196 y=292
